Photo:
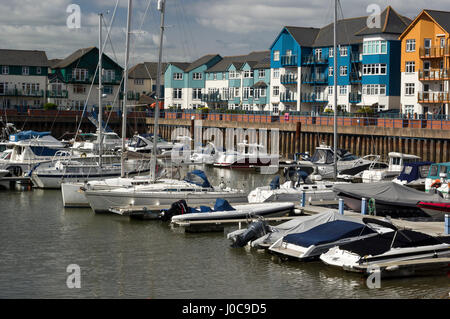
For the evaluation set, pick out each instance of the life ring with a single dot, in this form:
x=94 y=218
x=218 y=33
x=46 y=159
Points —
x=436 y=184
x=83 y=155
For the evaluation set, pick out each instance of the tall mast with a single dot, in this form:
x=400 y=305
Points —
x=125 y=88
x=335 y=139
x=100 y=111
x=161 y=7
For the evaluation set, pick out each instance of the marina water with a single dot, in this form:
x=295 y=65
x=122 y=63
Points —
x=123 y=258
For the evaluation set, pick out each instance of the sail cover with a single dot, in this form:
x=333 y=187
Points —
x=197 y=177
x=328 y=233
x=26 y=135
x=386 y=192
x=414 y=171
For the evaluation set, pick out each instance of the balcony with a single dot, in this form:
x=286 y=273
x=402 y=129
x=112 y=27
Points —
x=355 y=57
x=313 y=98
x=434 y=52
x=355 y=78
x=212 y=97
x=17 y=92
x=354 y=97
x=88 y=80
x=320 y=78
x=131 y=96
x=289 y=78
x=434 y=75
x=433 y=97
x=57 y=94
x=288 y=97
x=289 y=60
x=313 y=59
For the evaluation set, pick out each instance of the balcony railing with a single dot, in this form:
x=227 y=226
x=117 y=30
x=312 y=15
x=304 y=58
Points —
x=289 y=60
x=354 y=97
x=288 y=97
x=288 y=78
x=434 y=52
x=17 y=92
x=88 y=79
x=434 y=75
x=313 y=97
x=433 y=97
x=321 y=78
x=212 y=97
x=313 y=59
x=131 y=96
x=355 y=77
x=57 y=94
x=355 y=57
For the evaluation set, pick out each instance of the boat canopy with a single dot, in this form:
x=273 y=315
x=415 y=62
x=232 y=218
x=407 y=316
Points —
x=414 y=171
x=221 y=205
x=197 y=177
x=386 y=192
x=26 y=135
x=328 y=233
x=437 y=169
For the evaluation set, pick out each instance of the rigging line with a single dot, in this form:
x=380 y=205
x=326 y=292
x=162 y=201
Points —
x=182 y=31
x=188 y=30
x=144 y=16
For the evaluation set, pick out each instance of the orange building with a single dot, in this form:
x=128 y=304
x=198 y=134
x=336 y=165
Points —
x=425 y=64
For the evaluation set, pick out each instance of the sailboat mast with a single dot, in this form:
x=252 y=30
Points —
x=125 y=88
x=100 y=119
x=161 y=8
x=335 y=139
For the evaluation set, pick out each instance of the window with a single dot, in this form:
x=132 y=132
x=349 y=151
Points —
x=236 y=92
x=330 y=52
x=343 y=71
x=177 y=93
x=248 y=74
x=276 y=91
x=411 y=45
x=214 y=76
x=275 y=108
x=107 y=89
x=262 y=92
x=197 y=76
x=343 y=50
x=79 y=89
x=178 y=76
x=410 y=66
x=288 y=52
x=375 y=47
x=318 y=53
x=374 y=69
x=276 y=73
x=109 y=75
x=276 y=55
x=3 y=88
x=79 y=74
x=409 y=89
x=330 y=90
x=25 y=70
x=409 y=109
x=374 y=89
x=342 y=90
x=5 y=69
x=330 y=71
x=225 y=94
x=442 y=42
x=262 y=73
x=196 y=94
x=139 y=81
x=38 y=70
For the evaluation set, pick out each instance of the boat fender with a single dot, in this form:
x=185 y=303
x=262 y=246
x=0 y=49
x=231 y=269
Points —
x=436 y=184
x=372 y=207
x=83 y=155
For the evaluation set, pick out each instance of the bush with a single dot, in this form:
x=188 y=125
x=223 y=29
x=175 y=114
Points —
x=50 y=106
x=365 y=110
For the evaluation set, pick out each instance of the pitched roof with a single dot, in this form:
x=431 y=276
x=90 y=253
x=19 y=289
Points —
x=73 y=57
x=441 y=17
x=390 y=22
x=53 y=62
x=23 y=57
x=199 y=62
x=146 y=70
x=253 y=58
x=344 y=32
x=263 y=64
x=303 y=35
x=181 y=65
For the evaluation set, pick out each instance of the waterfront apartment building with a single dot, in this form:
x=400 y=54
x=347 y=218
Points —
x=425 y=64
x=368 y=65
x=142 y=81
x=69 y=83
x=23 y=78
x=230 y=82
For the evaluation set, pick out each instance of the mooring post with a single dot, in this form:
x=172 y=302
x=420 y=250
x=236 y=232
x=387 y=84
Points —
x=447 y=224
x=303 y=199
x=363 y=206
x=341 y=206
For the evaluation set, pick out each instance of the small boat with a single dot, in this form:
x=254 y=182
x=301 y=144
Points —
x=310 y=244
x=143 y=143
x=438 y=179
x=87 y=143
x=206 y=155
x=246 y=156
x=436 y=210
x=222 y=210
x=396 y=164
x=390 y=199
x=414 y=175
x=396 y=246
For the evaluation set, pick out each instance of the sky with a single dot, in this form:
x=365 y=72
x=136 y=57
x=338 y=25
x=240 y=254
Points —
x=193 y=28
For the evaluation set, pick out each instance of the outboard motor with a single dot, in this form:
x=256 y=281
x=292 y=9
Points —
x=177 y=208
x=254 y=231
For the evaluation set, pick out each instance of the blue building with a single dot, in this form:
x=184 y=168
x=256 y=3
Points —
x=368 y=65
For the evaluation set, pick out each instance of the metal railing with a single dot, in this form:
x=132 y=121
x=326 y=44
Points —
x=434 y=75
x=288 y=78
x=289 y=60
x=433 y=97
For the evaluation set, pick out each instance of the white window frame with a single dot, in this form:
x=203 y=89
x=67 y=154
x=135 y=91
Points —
x=276 y=91
x=410 y=89
x=25 y=70
x=178 y=76
x=5 y=69
x=197 y=76
x=276 y=73
x=177 y=94
x=276 y=55
x=343 y=70
x=411 y=45
x=262 y=73
x=343 y=50
x=410 y=66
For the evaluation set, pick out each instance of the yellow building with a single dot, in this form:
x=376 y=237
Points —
x=425 y=64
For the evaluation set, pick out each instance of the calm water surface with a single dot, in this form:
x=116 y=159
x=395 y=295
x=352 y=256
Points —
x=122 y=258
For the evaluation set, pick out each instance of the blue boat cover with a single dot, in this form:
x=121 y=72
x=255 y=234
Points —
x=222 y=205
x=411 y=171
x=275 y=183
x=327 y=233
x=197 y=177
x=26 y=135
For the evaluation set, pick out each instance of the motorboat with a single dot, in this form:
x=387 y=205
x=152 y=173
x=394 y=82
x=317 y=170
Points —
x=222 y=210
x=323 y=159
x=299 y=179
x=436 y=210
x=247 y=155
x=414 y=175
x=205 y=155
x=388 y=198
x=438 y=179
x=396 y=163
x=195 y=189
x=29 y=148
x=310 y=244
x=389 y=247
x=143 y=143
x=261 y=235
x=87 y=143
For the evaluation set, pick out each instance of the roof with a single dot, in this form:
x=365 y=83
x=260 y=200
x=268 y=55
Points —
x=303 y=36
x=344 y=32
x=181 y=65
x=441 y=17
x=53 y=62
x=145 y=70
x=199 y=62
x=73 y=57
x=23 y=57
x=390 y=22
x=253 y=58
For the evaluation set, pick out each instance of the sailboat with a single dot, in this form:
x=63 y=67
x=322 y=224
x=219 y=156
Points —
x=74 y=170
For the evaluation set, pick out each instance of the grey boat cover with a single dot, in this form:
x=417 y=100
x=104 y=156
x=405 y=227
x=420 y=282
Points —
x=299 y=225
x=387 y=192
